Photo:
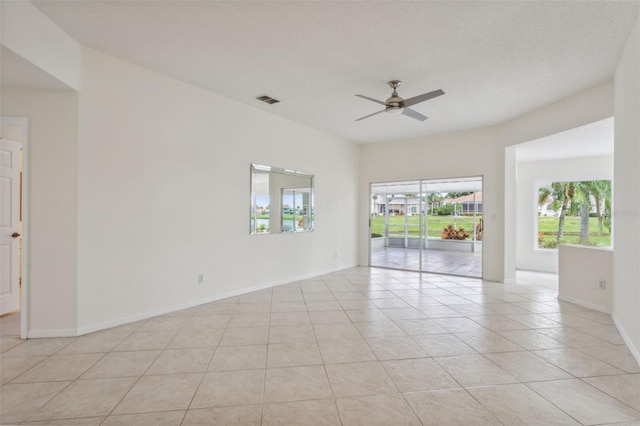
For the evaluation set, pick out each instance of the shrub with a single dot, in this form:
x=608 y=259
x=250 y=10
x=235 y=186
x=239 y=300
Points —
x=446 y=210
x=553 y=244
x=375 y=235
x=550 y=244
x=450 y=233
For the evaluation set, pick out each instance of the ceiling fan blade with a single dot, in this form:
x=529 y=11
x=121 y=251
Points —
x=370 y=115
x=421 y=98
x=413 y=114
x=372 y=100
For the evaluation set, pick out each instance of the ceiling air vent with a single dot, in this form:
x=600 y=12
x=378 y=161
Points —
x=267 y=99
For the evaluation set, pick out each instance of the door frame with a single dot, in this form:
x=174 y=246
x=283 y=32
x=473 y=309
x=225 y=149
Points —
x=23 y=122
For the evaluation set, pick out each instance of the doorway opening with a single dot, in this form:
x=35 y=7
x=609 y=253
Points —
x=427 y=225
x=13 y=249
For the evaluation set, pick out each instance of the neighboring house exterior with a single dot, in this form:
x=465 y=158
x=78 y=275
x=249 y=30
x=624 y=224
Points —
x=467 y=202
x=398 y=205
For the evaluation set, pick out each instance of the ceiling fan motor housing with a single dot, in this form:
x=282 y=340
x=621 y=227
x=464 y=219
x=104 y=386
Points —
x=395 y=104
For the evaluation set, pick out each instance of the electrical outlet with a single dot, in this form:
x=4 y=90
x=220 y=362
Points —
x=602 y=284
x=200 y=278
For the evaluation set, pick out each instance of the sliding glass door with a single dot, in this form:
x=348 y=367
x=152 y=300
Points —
x=427 y=225
x=396 y=225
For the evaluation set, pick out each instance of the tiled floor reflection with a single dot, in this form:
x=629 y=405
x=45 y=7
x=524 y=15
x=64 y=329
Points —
x=435 y=261
x=361 y=346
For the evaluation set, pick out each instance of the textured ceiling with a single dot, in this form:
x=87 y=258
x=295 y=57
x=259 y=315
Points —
x=495 y=60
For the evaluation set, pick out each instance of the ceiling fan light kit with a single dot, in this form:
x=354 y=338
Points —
x=395 y=105
x=394 y=110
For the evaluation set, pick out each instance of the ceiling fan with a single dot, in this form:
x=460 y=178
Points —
x=396 y=105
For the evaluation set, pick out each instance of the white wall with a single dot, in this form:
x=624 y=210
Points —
x=531 y=176
x=510 y=182
x=164 y=180
x=626 y=217
x=52 y=233
x=581 y=270
x=478 y=152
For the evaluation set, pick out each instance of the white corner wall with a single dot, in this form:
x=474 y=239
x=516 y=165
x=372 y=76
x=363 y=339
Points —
x=164 y=175
x=626 y=215
x=582 y=269
x=52 y=221
x=532 y=175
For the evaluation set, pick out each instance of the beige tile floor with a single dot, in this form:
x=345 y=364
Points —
x=362 y=346
x=434 y=261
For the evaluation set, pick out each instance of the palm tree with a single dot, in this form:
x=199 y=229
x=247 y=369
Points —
x=606 y=219
x=434 y=199
x=543 y=196
x=575 y=198
x=583 y=194
x=564 y=191
x=601 y=191
x=561 y=194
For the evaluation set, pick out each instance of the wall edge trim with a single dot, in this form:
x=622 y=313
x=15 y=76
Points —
x=635 y=352
x=584 y=304
x=59 y=332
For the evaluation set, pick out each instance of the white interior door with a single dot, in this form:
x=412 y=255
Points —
x=10 y=226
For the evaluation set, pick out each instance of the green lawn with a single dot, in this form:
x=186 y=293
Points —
x=436 y=224
x=547 y=225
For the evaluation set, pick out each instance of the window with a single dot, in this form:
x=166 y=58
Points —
x=281 y=200
x=260 y=202
x=574 y=212
x=296 y=209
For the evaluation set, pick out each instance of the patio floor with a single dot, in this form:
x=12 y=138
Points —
x=436 y=261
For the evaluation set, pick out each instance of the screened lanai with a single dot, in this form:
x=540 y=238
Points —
x=428 y=225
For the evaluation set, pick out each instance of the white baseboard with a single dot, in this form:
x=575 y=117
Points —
x=584 y=304
x=178 y=307
x=60 y=332
x=634 y=351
